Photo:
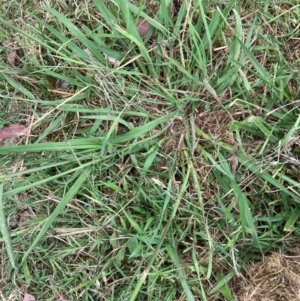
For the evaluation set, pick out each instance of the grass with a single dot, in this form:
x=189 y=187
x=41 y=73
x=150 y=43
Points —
x=161 y=176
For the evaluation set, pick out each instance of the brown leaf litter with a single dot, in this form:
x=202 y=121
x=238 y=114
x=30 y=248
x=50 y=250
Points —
x=144 y=27
x=275 y=278
x=28 y=297
x=11 y=57
x=12 y=131
x=215 y=124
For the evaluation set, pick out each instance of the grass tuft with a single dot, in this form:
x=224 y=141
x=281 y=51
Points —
x=157 y=166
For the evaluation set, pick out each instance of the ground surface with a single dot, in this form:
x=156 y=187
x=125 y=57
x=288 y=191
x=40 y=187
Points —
x=149 y=163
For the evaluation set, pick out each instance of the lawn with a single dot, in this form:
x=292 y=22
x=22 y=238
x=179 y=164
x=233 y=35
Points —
x=149 y=150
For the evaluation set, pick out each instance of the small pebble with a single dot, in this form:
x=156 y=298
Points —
x=63 y=84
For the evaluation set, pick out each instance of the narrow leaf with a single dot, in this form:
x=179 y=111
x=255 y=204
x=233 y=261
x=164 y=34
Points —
x=4 y=228
x=59 y=208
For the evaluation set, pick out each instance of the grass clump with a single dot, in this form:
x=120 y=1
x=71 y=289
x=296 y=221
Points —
x=155 y=167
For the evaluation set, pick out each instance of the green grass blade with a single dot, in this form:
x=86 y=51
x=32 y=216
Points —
x=17 y=85
x=162 y=237
x=254 y=167
x=290 y=133
x=4 y=228
x=22 y=32
x=180 y=270
x=75 y=144
x=222 y=281
x=106 y=13
x=225 y=290
x=48 y=179
x=141 y=130
x=59 y=208
x=290 y=224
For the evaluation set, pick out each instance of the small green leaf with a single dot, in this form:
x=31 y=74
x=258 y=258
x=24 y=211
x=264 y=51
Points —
x=221 y=282
x=290 y=224
x=225 y=290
